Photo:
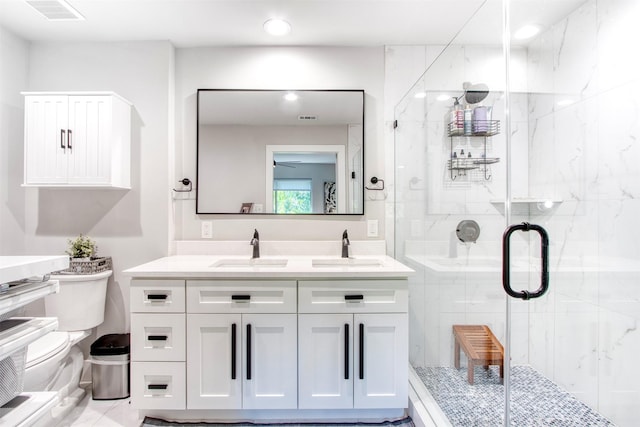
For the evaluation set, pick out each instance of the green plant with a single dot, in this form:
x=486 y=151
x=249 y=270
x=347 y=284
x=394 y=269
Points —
x=82 y=247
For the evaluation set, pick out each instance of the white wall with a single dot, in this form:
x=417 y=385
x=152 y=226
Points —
x=278 y=68
x=14 y=57
x=130 y=226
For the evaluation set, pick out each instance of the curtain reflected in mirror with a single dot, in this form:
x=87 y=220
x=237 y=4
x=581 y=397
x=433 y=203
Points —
x=259 y=153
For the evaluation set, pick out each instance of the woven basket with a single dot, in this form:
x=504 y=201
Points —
x=90 y=266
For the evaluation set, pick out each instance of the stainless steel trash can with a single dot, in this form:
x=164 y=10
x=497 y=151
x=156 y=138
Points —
x=110 y=367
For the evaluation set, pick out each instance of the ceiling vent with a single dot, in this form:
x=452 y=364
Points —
x=307 y=117
x=56 y=10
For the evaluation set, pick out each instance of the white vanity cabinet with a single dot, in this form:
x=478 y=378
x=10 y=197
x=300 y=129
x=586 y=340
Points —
x=242 y=344
x=77 y=139
x=158 y=346
x=353 y=344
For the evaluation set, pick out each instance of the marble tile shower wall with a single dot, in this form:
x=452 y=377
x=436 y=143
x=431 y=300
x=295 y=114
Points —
x=584 y=335
x=590 y=156
x=430 y=203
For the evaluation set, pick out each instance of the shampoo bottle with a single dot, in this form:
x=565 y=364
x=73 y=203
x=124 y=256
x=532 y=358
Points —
x=468 y=120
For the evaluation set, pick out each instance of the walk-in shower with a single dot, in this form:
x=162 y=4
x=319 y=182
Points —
x=560 y=152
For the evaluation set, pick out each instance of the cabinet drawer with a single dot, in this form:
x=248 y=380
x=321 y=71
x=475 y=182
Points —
x=157 y=296
x=158 y=385
x=158 y=337
x=354 y=296
x=241 y=296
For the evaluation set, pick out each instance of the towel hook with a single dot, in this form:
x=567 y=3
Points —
x=186 y=182
x=374 y=180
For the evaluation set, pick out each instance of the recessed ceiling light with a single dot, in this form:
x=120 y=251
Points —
x=526 y=32
x=420 y=95
x=277 y=27
x=56 y=10
x=291 y=96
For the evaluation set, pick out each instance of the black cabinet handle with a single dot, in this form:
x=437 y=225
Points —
x=353 y=297
x=346 y=351
x=69 y=146
x=506 y=258
x=157 y=386
x=240 y=297
x=62 y=134
x=157 y=297
x=233 y=351
x=361 y=355
x=248 y=351
x=157 y=337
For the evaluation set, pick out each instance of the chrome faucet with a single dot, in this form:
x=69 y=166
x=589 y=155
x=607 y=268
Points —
x=345 y=244
x=255 y=242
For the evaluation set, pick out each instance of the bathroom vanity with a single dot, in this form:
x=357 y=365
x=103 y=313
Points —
x=278 y=337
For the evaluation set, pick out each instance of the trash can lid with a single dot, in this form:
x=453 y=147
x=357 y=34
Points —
x=110 y=345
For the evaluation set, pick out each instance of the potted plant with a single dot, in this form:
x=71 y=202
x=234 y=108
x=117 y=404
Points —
x=82 y=247
x=84 y=260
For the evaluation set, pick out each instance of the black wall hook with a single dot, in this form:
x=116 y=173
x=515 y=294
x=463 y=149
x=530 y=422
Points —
x=374 y=180
x=188 y=183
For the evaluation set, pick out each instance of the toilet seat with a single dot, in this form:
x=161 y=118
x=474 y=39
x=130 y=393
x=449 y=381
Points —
x=46 y=347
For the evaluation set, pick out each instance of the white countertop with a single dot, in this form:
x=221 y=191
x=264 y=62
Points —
x=205 y=266
x=21 y=267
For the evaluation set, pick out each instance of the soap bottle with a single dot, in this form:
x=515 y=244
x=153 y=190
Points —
x=468 y=119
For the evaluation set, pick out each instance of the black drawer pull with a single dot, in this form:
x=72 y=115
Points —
x=157 y=297
x=157 y=337
x=157 y=386
x=353 y=297
x=240 y=297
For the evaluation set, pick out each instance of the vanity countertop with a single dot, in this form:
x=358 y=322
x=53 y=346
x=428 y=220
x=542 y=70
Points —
x=216 y=266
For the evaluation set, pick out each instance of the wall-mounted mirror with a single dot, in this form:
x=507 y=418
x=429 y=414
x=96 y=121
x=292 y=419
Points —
x=280 y=152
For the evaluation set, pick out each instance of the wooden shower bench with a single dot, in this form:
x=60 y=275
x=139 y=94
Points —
x=480 y=346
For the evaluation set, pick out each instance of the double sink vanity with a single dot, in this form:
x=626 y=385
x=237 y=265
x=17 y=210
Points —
x=310 y=336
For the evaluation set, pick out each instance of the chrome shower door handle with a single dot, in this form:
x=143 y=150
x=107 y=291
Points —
x=506 y=257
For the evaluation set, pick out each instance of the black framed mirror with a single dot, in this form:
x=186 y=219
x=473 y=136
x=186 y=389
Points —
x=280 y=152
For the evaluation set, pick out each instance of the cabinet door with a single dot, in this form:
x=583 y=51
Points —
x=270 y=359
x=89 y=139
x=381 y=361
x=325 y=361
x=214 y=378
x=46 y=151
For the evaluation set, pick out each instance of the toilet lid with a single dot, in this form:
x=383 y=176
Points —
x=46 y=346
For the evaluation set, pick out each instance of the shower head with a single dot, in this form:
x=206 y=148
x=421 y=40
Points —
x=475 y=93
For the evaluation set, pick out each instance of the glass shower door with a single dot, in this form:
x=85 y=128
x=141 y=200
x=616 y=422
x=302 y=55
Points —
x=574 y=350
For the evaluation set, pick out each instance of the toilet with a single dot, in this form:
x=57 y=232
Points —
x=55 y=361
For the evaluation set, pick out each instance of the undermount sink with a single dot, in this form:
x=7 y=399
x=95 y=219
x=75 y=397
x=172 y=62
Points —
x=346 y=262
x=250 y=262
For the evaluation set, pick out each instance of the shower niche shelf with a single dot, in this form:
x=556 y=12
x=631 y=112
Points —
x=528 y=206
x=475 y=168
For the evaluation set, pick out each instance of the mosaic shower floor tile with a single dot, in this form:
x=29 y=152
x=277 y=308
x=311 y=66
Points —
x=536 y=401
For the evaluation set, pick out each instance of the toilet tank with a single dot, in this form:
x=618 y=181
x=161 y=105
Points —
x=80 y=303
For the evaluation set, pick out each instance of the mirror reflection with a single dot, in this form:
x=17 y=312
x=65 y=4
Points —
x=280 y=152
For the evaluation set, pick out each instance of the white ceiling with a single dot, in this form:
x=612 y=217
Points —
x=191 y=23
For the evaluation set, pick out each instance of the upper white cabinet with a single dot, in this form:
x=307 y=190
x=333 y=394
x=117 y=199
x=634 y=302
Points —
x=77 y=140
